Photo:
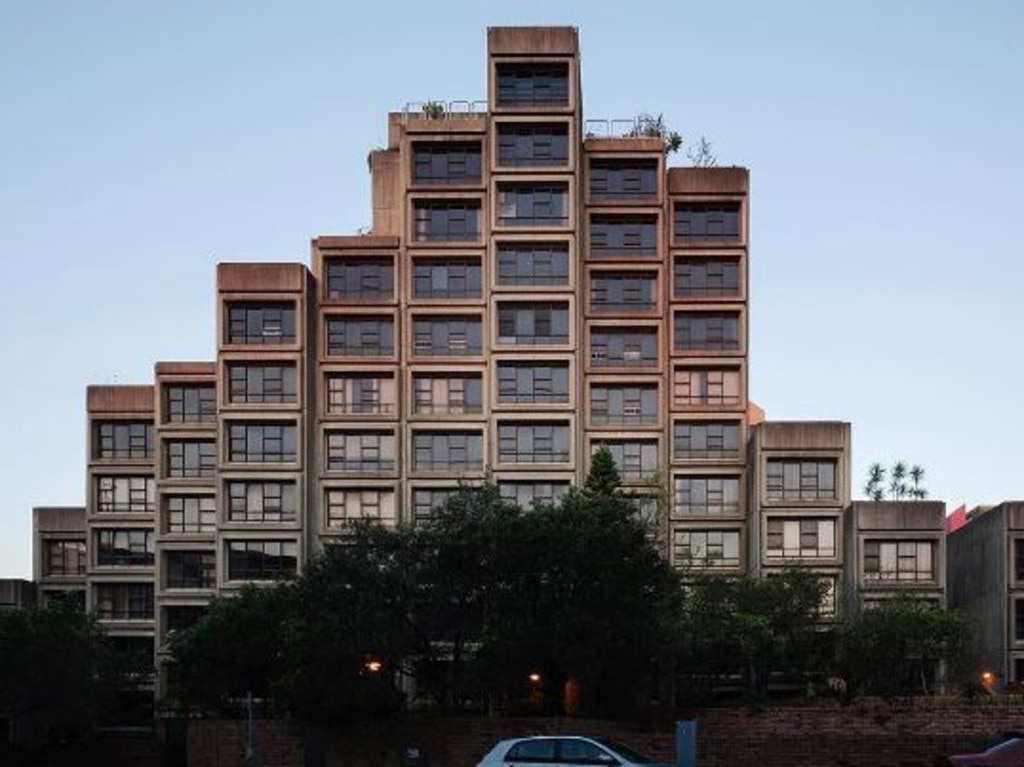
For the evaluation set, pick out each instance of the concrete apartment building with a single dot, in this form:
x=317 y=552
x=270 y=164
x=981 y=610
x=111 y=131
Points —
x=985 y=574
x=894 y=547
x=800 y=488
x=59 y=556
x=535 y=285
x=528 y=293
x=16 y=592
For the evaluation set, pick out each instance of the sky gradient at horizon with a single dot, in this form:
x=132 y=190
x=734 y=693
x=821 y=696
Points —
x=142 y=143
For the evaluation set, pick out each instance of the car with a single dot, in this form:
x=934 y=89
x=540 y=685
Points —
x=564 y=751
x=1007 y=751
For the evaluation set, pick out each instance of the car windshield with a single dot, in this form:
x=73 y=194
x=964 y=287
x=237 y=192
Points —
x=1006 y=745
x=625 y=751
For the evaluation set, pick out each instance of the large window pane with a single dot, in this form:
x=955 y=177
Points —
x=261 y=323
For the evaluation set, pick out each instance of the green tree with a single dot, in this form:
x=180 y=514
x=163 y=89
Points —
x=581 y=595
x=467 y=603
x=916 y=491
x=874 y=489
x=603 y=477
x=897 y=486
x=896 y=647
x=465 y=543
x=56 y=670
x=237 y=647
x=750 y=628
x=897 y=481
x=356 y=625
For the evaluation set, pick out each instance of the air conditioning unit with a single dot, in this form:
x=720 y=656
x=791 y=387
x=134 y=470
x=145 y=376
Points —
x=631 y=354
x=631 y=410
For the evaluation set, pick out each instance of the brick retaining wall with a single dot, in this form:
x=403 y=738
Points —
x=864 y=734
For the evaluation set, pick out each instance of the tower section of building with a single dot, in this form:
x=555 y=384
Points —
x=359 y=361
x=186 y=492
x=535 y=275
x=120 y=513
x=706 y=342
x=265 y=447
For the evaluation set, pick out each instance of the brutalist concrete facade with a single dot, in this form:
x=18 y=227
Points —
x=535 y=285
x=985 y=575
x=893 y=548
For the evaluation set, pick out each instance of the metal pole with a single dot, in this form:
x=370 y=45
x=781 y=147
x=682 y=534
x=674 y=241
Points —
x=686 y=743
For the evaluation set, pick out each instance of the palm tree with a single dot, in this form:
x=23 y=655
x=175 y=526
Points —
x=874 y=489
x=916 y=474
x=897 y=485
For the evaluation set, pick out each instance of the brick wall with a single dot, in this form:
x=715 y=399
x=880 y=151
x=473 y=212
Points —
x=864 y=734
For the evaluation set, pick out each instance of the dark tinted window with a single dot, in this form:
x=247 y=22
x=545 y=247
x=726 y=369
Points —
x=261 y=382
x=539 y=323
x=521 y=383
x=533 y=205
x=623 y=180
x=714 y=331
x=719 y=221
x=360 y=337
x=438 y=162
x=447 y=222
x=270 y=323
x=710 y=277
x=191 y=458
x=529 y=144
x=536 y=750
x=261 y=501
x=613 y=346
x=533 y=84
x=261 y=560
x=191 y=570
x=533 y=264
x=707 y=439
x=447 y=337
x=623 y=291
x=124 y=547
x=623 y=404
x=533 y=443
x=447 y=451
x=447 y=278
x=190 y=404
x=130 y=440
x=623 y=236
x=579 y=751
x=360 y=278
x=261 y=443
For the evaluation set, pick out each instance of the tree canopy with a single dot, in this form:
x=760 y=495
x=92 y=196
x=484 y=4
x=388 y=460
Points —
x=466 y=605
x=564 y=608
x=56 y=670
x=895 y=648
x=750 y=627
x=237 y=648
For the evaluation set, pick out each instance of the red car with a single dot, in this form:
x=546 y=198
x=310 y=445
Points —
x=1008 y=752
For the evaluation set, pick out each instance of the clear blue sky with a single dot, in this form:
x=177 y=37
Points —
x=143 y=142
